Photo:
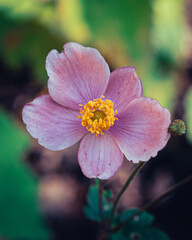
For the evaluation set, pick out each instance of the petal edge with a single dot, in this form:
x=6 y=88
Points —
x=99 y=157
x=55 y=126
x=76 y=75
x=142 y=130
x=124 y=86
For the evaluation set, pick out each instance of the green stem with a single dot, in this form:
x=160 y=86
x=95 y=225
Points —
x=101 y=201
x=153 y=202
x=130 y=178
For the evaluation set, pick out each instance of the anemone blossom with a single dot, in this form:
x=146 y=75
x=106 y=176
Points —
x=106 y=111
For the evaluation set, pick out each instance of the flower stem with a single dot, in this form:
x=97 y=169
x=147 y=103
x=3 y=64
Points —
x=153 y=202
x=130 y=178
x=101 y=201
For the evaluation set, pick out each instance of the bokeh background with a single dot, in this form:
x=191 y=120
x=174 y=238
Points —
x=42 y=192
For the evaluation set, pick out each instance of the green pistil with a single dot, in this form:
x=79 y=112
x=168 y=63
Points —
x=98 y=114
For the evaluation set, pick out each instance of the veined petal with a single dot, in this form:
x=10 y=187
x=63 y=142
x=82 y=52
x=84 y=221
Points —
x=99 y=157
x=124 y=85
x=55 y=126
x=76 y=75
x=142 y=130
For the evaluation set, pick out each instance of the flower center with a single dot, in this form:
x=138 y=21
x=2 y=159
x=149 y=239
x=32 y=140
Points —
x=98 y=115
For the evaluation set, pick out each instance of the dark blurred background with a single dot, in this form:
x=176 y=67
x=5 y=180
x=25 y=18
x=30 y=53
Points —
x=42 y=193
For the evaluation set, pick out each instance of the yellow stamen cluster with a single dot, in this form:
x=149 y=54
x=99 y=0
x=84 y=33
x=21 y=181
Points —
x=98 y=115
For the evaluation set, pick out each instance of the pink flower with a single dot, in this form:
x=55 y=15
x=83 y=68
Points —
x=120 y=122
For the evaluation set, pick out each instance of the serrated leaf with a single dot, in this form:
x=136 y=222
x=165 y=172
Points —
x=143 y=219
x=92 y=208
x=139 y=228
x=144 y=233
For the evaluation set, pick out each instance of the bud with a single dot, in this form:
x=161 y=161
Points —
x=177 y=128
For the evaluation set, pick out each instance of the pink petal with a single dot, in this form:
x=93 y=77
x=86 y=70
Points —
x=124 y=85
x=55 y=126
x=142 y=130
x=76 y=75
x=99 y=157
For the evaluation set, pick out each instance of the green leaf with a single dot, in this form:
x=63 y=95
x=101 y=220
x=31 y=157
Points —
x=143 y=219
x=153 y=233
x=118 y=236
x=92 y=208
x=145 y=233
x=20 y=217
x=139 y=228
x=107 y=193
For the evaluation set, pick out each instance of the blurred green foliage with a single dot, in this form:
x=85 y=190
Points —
x=124 y=23
x=147 y=34
x=188 y=104
x=20 y=217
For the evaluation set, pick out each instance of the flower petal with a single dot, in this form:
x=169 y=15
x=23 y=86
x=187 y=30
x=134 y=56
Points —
x=124 y=85
x=99 y=157
x=76 y=75
x=55 y=126
x=142 y=130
